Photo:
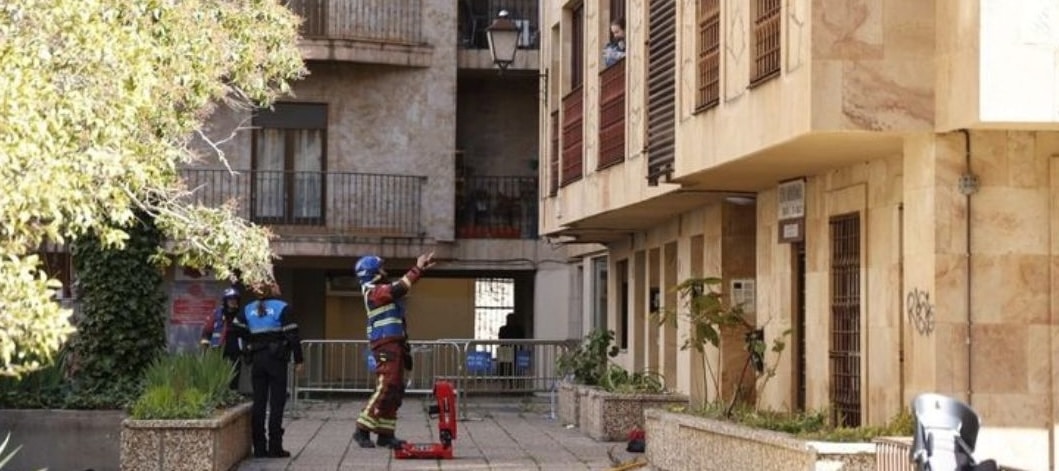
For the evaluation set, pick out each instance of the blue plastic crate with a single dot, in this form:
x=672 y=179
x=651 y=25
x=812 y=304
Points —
x=522 y=359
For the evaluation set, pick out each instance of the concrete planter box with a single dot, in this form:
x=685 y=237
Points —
x=609 y=417
x=217 y=444
x=677 y=442
x=90 y=438
x=570 y=395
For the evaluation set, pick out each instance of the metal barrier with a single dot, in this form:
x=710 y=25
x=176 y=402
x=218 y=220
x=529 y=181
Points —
x=474 y=366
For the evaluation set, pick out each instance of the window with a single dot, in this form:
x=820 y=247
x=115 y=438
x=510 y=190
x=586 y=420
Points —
x=661 y=89
x=623 y=307
x=494 y=299
x=845 y=319
x=599 y=293
x=766 y=41
x=288 y=163
x=709 y=50
x=577 y=46
x=617 y=10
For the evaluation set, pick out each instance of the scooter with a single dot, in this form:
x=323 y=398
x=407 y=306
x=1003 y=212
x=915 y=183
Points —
x=945 y=435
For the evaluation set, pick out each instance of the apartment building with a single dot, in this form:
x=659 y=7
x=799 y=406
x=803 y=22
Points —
x=878 y=176
x=403 y=139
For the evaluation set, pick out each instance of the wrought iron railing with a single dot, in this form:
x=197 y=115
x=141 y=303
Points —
x=476 y=15
x=497 y=208
x=366 y=20
x=330 y=202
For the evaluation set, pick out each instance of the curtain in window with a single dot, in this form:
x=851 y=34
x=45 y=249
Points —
x=270 y=194
x=308 y=176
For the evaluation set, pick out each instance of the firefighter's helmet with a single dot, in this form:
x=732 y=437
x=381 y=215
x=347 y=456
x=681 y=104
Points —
x=368 y=268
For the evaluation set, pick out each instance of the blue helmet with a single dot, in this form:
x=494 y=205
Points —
x=230 y=293
x=368 y=268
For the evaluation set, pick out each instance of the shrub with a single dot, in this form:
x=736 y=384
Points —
x=620 y=380
x=809 y=425
x=588 y=363
x=185 y=386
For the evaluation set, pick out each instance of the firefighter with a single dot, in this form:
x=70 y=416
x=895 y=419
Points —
x=388 y=338
x=217 y=331
x=269 y=338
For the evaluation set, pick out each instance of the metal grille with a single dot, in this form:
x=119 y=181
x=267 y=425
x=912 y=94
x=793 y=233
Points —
x=845 y=319
x=612 y=115
x=766 y=41
x=661 y=89
x=799 y=377
x=709 y=19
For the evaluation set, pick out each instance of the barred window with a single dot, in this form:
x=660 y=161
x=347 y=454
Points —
x=709 y=54
x=766 y=45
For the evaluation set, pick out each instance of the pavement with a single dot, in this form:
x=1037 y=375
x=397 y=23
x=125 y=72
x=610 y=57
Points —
x=494 y=434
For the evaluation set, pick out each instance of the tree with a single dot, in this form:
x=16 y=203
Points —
x=99 y=101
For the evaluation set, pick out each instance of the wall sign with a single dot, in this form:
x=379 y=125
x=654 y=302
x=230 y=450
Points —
x=790 y=210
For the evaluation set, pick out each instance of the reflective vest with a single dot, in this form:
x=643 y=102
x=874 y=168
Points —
x=269 y=322
x=219 y=328
x=383 y=321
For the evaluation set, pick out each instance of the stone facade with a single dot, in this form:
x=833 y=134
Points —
x=948 y=283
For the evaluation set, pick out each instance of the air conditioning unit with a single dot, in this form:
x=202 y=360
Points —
x=344 y=286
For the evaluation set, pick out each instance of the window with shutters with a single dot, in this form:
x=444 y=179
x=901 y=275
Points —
x=766 y=41
x=661 y=89
x=845 y=320
x=708 y=14
x=573 y=104
x=612 y=115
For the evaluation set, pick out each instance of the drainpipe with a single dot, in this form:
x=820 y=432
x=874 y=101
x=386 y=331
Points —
x=968 y=186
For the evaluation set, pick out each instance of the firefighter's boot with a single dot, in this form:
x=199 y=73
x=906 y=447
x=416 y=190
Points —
x=363 y=438
x=389 y=441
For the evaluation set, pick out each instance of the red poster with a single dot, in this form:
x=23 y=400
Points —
x=192 y=301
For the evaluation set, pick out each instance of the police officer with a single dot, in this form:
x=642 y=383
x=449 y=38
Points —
x=270 y=337
x=217 y=332
x=389 y=346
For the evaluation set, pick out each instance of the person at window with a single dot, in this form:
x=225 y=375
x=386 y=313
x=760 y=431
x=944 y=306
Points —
x=217 y=332
x=614 y=51
x=388 y=338
x=270 y=338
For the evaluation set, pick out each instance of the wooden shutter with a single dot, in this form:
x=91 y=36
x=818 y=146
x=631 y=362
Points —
x=573 y=136
x=766 y=64
x=612 y=115
x=661 y=88
x=553 y=158
x=709 y=54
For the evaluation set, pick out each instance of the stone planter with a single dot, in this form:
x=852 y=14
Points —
x=217 y=443
x=94 y=434
x=677 y=442
x=609 y=417
x=570 y=402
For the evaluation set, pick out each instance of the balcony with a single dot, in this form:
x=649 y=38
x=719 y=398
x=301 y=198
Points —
x=476 y=15
x=333 y=204
x=496 y=208
x=365 y=31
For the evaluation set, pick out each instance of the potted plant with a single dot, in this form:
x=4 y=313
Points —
x=186 y=417
x=603 y=399
x=581 y=369
x=730 y=426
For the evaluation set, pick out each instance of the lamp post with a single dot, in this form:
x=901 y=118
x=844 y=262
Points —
x=503 y=40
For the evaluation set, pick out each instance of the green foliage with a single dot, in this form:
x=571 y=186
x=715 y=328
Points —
x=588 y=363
x=620 y=380
x=709 y=313
x=185 y=386
x=121 y=327
x=809 y=425
x=99 y=102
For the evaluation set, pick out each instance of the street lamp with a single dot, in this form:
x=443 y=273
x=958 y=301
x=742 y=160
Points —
x=503 y=40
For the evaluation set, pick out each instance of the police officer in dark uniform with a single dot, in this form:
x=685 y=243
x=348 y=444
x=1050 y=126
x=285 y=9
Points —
x=269 y=339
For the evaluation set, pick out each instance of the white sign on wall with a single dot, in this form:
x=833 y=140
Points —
x=791 y=199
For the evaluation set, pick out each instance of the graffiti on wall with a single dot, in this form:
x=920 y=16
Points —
x=920 y=311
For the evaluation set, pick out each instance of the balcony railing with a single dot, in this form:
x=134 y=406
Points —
x=476 y=15
x=365 y=20
x=335 y=203
x=497 y=208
